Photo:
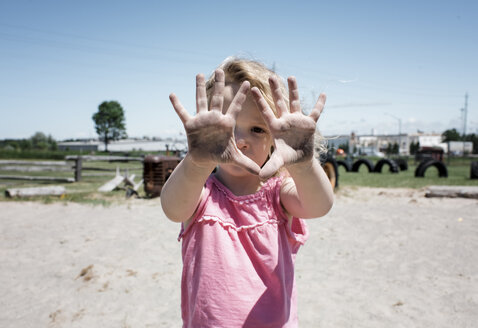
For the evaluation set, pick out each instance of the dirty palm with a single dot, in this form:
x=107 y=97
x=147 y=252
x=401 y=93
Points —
x=210 y=132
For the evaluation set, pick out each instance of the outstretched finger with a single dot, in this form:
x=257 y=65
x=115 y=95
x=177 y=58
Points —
x=201 y=97
x=294 y=100
x=277 y=96
x=218 y=92
x=266 y=111
x=273 y=165
x=240 y=97
x=178 y=107
x=318 y=108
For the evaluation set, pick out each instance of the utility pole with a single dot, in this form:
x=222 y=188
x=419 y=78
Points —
x=399 y=131
x=465 y=111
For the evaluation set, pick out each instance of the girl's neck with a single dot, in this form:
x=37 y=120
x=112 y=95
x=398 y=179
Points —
x=239 y=185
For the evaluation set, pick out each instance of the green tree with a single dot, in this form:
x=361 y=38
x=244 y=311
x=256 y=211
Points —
x=473 y=138
x=414 y=147
x=395 y=148
x=110 y=122
x=52 y=144
x=451 y=135
x=39 y=141
x=392 y=149
x=25 y=144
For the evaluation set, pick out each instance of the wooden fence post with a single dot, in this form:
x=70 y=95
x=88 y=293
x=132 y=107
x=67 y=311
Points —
x=78 y=169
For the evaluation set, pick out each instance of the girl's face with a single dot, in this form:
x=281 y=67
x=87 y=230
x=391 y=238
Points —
x=251 y=132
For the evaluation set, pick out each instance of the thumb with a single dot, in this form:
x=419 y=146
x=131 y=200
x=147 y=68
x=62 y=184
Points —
x=243 y=161
x=274 y=163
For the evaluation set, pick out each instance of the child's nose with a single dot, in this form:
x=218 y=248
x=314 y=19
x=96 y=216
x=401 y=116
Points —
x=241 y=140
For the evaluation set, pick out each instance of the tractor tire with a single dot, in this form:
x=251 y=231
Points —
x=402 y=164
x=368 y=163
x=474 y=170
x=345 y=164
x=423 y=166
x=391 y=163
x=331 y=169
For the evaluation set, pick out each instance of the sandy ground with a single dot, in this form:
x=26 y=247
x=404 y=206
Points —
x=380 y=258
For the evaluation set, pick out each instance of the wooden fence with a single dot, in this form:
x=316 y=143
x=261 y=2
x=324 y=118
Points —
x=73 y=164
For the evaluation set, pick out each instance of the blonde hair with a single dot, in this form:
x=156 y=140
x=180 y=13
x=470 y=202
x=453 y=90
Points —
x=238 y=70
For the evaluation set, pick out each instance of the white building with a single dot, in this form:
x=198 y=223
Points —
x=457 y=147
x=377 y=144
x=86 y=146
x=126 y=145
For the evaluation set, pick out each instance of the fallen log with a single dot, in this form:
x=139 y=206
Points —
x=452 y=191
x=35 y=191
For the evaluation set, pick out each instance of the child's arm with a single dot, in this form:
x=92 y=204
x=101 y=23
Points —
x=181 y=193
x=210 y=136
x=309 y=193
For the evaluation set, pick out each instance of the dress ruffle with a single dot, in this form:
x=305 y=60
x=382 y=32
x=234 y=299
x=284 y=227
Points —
x=231 y=226
x=296 y=229
x=228 y=225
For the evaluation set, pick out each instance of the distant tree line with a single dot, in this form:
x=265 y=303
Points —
x=448 y=135
x=39 y=141
x=414 y=147
x=454 y=135
x=392 y=149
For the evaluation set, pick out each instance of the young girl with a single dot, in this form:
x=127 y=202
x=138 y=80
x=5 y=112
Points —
x=240 y=225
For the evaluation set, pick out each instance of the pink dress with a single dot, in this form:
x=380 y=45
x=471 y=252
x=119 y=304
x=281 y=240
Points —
x=238 y=260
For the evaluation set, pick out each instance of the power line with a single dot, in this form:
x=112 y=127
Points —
x=103 y=41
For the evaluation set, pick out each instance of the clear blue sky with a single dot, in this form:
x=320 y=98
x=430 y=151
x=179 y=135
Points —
x=376 y=60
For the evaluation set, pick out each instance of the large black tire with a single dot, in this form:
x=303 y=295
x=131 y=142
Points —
x=345 y=164
x=391 y=163
x=368 y=163
x=402 y=164
x=332 y=170
x=420 y=170
x=474 y=170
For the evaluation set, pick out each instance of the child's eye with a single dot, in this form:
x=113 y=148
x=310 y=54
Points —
x=257 y=129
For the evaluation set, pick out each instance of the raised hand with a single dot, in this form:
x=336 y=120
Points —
x=210 y=133
x=292 y=132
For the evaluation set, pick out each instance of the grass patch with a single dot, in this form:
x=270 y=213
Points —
x=458 y=175
x=84 y=191
x=90 y=198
